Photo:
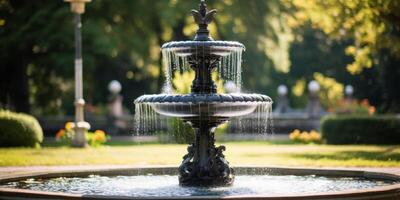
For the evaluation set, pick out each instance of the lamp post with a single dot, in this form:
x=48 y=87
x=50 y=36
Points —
x=78 y=8
x=283 y=102
x=115 y=101
x=114 y=87
x=313 y=87
x=349 y=90
x=314 y=107
x=115 y=108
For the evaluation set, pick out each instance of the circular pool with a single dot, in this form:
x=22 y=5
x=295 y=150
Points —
x=162 y=183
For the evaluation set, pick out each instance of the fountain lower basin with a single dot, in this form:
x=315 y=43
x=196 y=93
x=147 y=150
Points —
x=185 y=110
x=161 y=183
x=204 y=105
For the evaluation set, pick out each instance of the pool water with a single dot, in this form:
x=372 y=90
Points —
x=167 y=185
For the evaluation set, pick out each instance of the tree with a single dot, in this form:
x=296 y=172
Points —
x=373 y=25
x=373 y=29
x=33 y=49
x=121 y=40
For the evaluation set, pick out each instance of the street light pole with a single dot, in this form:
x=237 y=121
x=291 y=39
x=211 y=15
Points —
x=314 y=106
x=78 y=8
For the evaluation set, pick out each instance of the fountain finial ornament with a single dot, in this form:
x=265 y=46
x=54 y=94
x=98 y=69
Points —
x=202 y=17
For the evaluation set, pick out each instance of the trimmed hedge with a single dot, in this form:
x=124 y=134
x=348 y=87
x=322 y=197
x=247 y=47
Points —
x=361 y=130
x=17 y=129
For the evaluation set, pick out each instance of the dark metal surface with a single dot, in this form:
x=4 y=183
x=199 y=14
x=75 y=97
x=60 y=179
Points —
x=202 y=98
x=204 y=164
x=203 y=17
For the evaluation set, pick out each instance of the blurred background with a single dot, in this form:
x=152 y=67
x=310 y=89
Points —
x=288 y=43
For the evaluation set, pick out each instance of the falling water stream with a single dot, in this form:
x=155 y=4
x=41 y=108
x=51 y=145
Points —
x=229 y=68
x=148 y=121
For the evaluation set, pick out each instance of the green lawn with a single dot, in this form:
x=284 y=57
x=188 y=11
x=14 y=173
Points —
x=238 y=153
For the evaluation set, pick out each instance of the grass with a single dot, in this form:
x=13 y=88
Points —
x=238 y=153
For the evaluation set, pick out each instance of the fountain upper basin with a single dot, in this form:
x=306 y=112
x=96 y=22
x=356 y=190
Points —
x=215 y=48
x=204 y=105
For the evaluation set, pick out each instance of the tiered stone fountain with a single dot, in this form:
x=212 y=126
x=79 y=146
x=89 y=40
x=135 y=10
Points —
x=204 y=108
x=204 y=164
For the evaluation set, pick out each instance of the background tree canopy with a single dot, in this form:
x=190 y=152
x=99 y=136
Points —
x=286 y=43
x=370 y=31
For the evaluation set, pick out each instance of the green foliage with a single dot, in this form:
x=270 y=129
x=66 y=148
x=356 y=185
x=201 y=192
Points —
x=331 y=91
x=265 y=34
x=182 y=132
x=373 y=25
x=17 y=129
x=313 y=52
x=96 y=138
x=362 y=35
x=221 y=129
x=121 y=40
x=361 y=130
x=354 y=107
x=183 y=81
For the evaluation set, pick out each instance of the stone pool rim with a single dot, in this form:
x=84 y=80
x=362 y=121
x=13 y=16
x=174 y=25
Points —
x=382 y=192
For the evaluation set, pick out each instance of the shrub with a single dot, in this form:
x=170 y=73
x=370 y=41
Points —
x=305 y=137
x=182 y=132
x=361 y=130
x=17 y=129
x=346 y=106
x=94 y=139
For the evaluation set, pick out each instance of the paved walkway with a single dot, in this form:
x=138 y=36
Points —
x=7 y=171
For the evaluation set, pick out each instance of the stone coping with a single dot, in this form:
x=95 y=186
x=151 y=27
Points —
x=391 y=192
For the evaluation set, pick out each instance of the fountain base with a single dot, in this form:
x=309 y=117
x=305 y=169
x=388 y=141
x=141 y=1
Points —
x=216 y=173
x=205 y=164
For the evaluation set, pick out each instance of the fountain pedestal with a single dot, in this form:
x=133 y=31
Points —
x=205 y=164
